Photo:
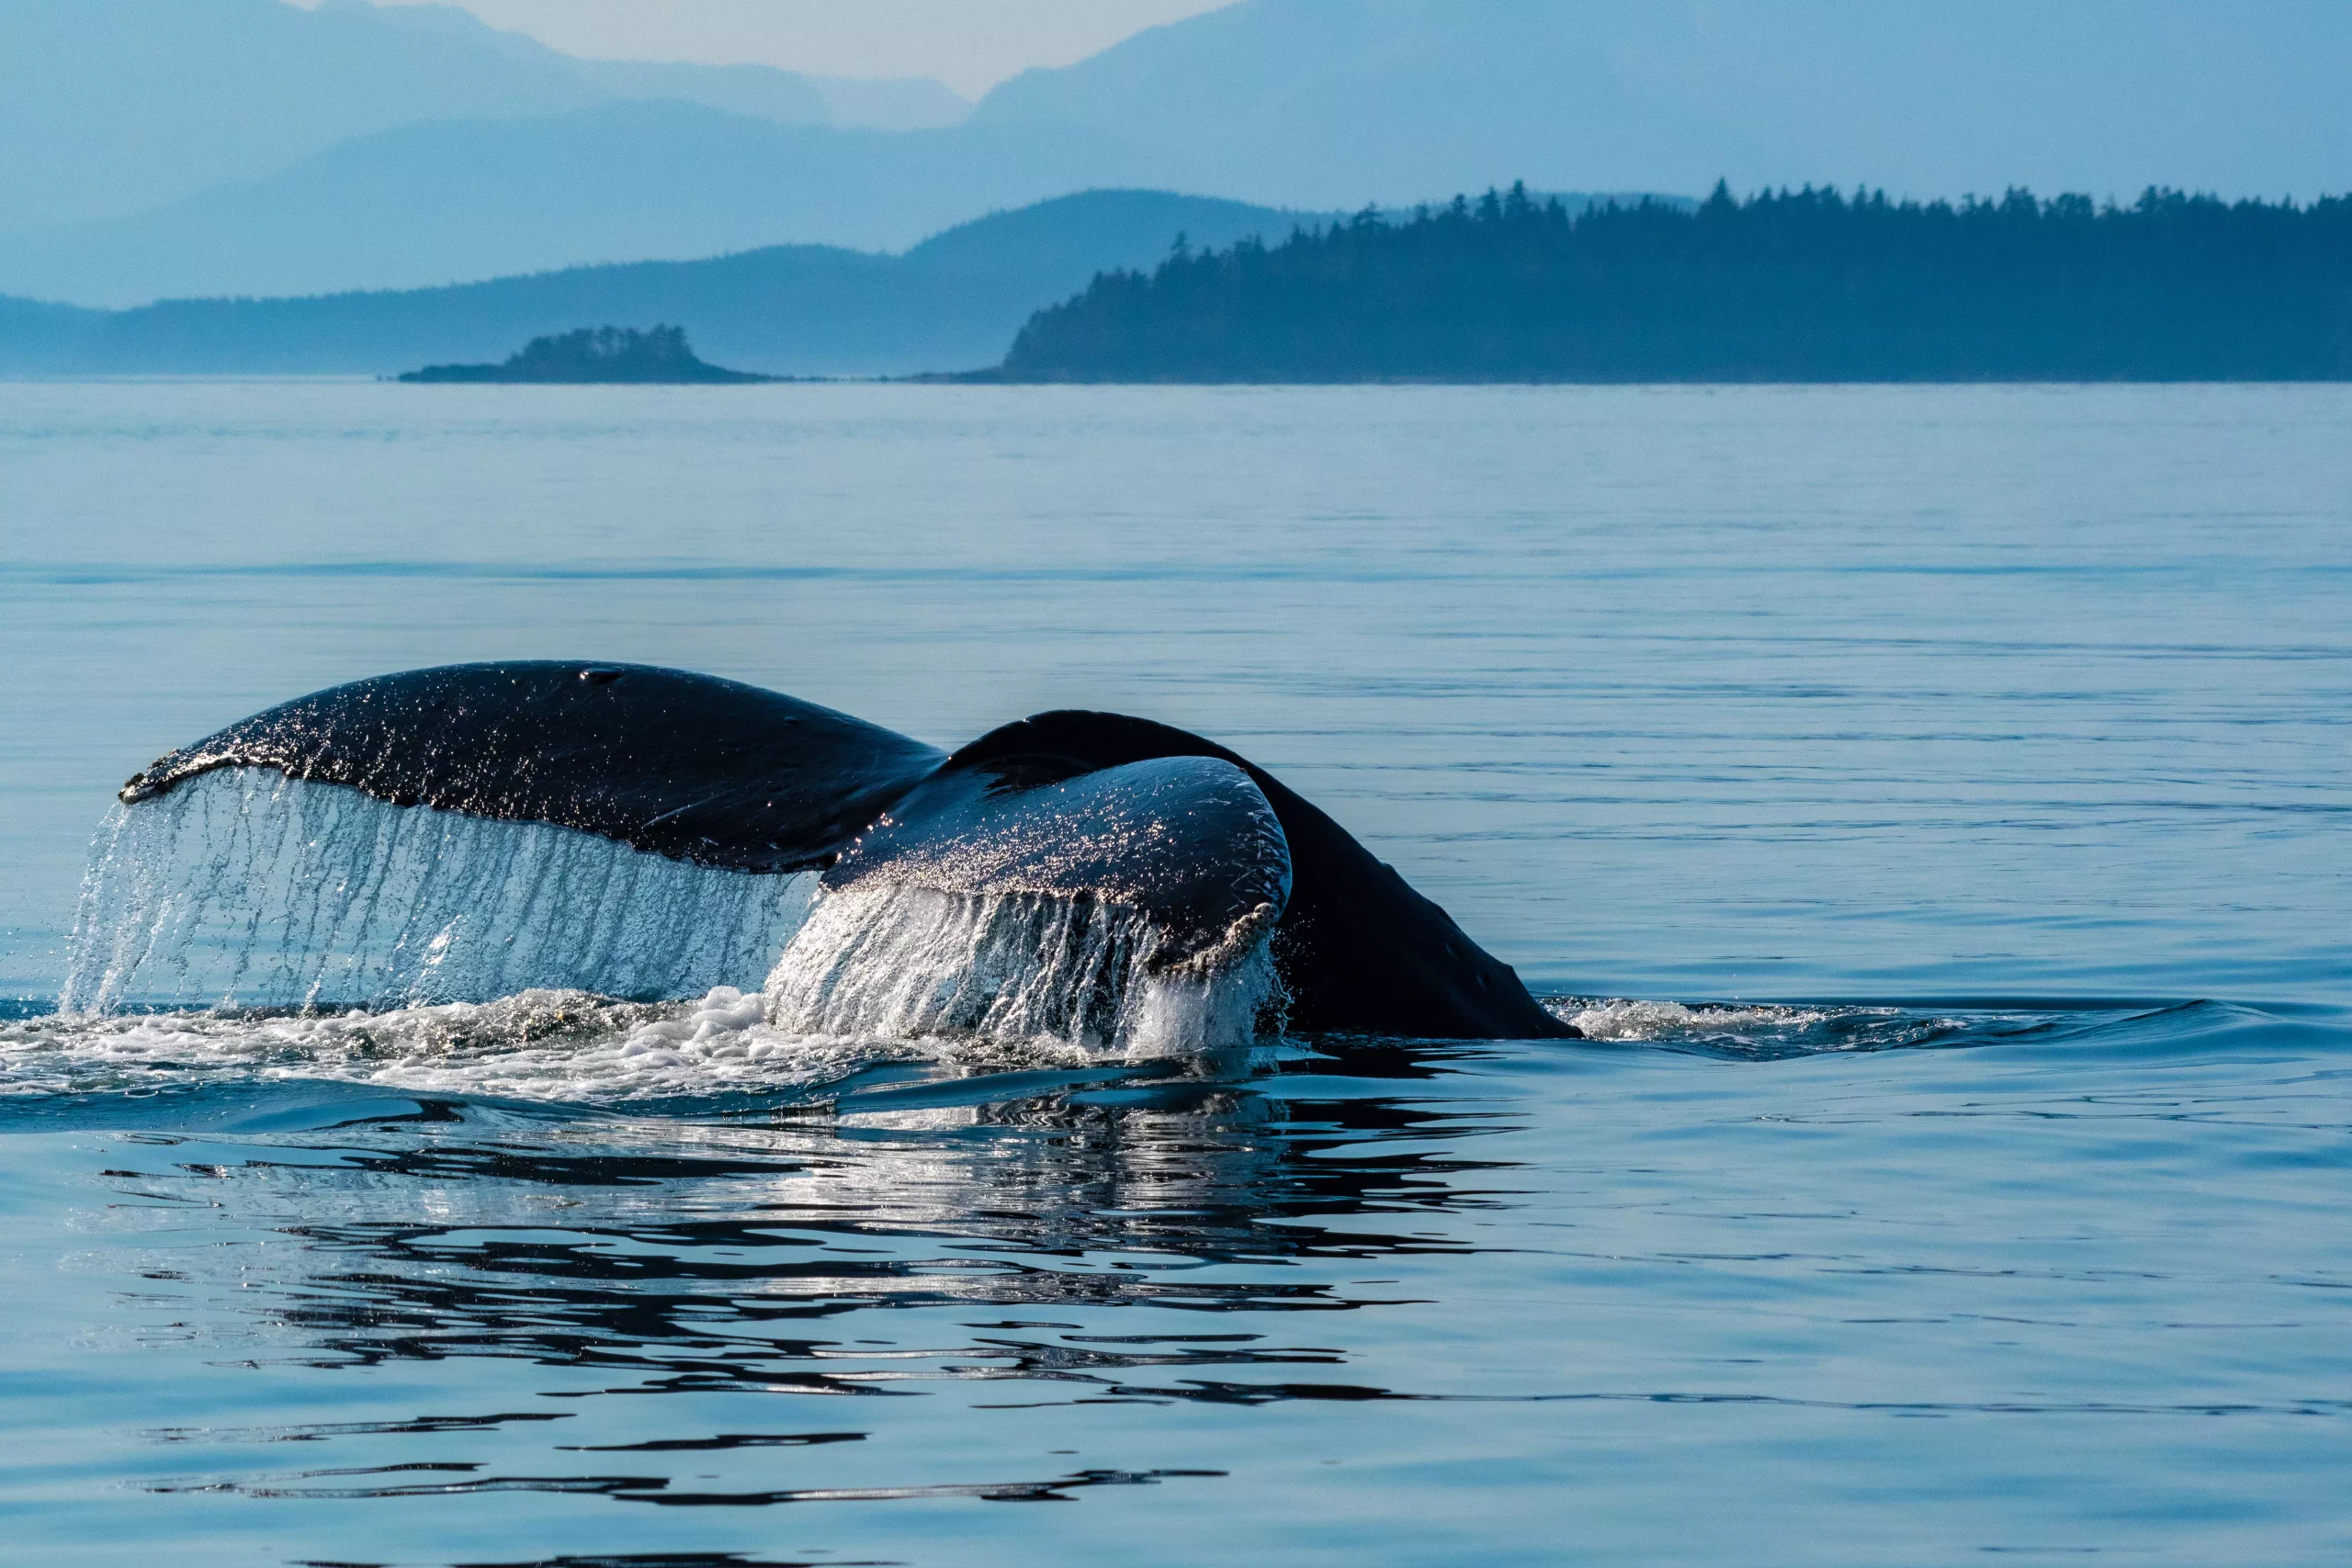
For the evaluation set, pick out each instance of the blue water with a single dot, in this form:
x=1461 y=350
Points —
x=1932 y=799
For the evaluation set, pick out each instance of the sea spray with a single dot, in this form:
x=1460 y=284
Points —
x=246 y=888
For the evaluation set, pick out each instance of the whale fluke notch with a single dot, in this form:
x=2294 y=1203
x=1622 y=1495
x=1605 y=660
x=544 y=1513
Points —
x=1069 y=804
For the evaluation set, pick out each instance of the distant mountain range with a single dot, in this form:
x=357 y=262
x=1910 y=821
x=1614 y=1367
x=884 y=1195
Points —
x=110 y=107
x=454 y=200
x=1322 y=103
x=165 y=148
x=951 y=302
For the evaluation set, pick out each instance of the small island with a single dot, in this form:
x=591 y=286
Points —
x=657 y=355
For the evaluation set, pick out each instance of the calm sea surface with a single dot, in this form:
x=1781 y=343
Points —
x=1934 y=800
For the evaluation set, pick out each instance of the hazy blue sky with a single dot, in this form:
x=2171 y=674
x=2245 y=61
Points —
x=971 y=45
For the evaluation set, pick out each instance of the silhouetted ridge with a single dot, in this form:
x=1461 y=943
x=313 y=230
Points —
x=596 y=354
x=956 y=298
x=1807 y=286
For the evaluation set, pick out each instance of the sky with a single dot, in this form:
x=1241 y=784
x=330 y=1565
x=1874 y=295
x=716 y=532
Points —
x=971 y=45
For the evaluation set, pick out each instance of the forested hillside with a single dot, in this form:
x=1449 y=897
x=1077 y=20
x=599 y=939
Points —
x=1791 y=286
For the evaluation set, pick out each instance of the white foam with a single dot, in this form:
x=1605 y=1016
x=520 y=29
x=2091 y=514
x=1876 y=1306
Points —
x=540 y=1044
x=1761 y=1030
x=1623 y=1019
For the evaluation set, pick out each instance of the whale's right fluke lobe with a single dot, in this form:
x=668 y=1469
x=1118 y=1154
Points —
x=1360 y=950
x=1189 y=842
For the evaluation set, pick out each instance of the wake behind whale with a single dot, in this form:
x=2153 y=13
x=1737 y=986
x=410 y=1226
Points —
x=467 y=833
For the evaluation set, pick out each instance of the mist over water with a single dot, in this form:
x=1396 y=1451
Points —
x=1927 y=802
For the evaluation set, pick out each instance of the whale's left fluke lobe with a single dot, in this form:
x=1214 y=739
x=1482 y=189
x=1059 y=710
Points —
x=683 y=765
x=1210 y=854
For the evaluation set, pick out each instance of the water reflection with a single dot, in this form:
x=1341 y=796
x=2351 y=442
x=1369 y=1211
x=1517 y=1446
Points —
x=933 y=1250
x=779 y=1255
x=354 y=1484
x=642 y=1560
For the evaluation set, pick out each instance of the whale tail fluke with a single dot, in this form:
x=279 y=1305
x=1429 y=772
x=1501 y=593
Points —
x=1208 y=852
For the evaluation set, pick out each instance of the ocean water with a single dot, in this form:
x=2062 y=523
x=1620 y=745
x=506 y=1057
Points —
x=1932 y=803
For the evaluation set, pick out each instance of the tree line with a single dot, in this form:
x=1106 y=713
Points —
x=1786 y=286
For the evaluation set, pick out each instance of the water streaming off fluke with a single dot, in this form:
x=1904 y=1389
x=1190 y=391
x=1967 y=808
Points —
x=245 y=891
x=896 y=961
x=246 y=888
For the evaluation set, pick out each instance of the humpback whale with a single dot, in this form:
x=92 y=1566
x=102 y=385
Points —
x=1217 y=854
